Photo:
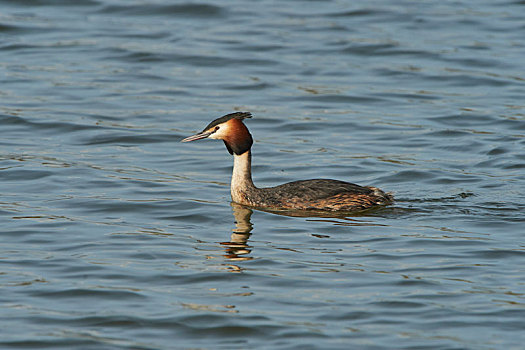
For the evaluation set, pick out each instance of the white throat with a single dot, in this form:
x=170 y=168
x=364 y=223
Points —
x=242 y=176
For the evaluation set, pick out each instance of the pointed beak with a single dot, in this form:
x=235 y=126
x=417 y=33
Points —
x=201 y=135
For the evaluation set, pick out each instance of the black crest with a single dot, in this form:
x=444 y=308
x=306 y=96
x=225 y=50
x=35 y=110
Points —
x=236 y=115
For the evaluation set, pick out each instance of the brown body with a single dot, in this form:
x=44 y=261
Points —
x=316 y=194
x=343 y=201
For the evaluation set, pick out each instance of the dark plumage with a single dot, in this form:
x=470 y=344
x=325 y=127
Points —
x=318 y=194
x=224 y=119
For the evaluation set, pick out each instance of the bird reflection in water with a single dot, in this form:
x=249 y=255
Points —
x=237 y=248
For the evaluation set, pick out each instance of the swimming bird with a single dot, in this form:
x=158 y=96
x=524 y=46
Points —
x=316 y=194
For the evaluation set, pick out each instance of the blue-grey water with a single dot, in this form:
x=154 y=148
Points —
x=116 y=236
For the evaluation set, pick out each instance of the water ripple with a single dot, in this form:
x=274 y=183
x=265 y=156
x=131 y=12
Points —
x=183 y=10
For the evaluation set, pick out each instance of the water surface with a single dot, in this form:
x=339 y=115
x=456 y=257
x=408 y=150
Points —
x=116 y=236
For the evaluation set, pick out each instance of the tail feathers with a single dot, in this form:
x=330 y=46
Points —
x=383 y=198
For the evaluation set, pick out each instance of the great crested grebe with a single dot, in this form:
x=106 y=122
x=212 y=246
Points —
x=318 y=194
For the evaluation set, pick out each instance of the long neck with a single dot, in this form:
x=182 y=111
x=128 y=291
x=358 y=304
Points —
x=242 y=184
